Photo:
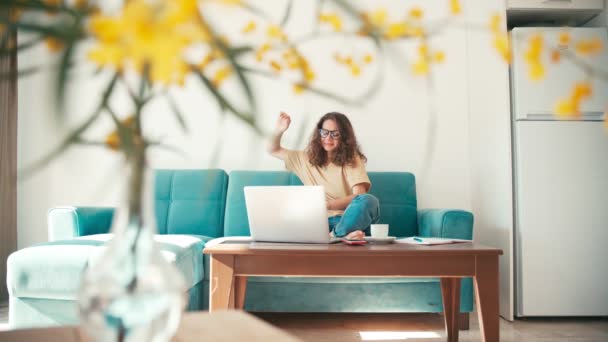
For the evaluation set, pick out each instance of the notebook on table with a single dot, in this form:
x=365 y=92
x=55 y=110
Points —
x=418 y=240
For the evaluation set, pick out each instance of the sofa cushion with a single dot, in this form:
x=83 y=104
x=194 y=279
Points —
x=53 y=270
x=190 y=201
x=396 y=192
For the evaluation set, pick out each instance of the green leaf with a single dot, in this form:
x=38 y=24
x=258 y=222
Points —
x=238 y=69
x=35 y=5
x=178 y=114
x=224 y=104
x=62 y=78
x=23 y=46
x=353 y=12
x=73 y=137
x=286 y=14
x=20 y=73
x=239 y=50
x=60 y=31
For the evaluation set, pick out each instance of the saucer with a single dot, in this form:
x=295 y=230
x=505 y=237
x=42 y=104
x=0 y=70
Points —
x=388 y=239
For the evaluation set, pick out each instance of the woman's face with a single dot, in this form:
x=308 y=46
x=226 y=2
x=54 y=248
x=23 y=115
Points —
x=330 y=136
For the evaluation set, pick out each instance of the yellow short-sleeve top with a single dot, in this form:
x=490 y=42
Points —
x=338 y=181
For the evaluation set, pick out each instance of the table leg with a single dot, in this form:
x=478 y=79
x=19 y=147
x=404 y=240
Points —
x=240 y=288
x=450 y=293
x=486 y=292
x=221 y=287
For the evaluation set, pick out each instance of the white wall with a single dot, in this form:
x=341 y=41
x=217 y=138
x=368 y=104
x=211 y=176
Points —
x=490 y=149
x=469 y=164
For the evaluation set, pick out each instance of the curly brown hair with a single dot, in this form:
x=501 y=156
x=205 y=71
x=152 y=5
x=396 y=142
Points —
x=348 y=149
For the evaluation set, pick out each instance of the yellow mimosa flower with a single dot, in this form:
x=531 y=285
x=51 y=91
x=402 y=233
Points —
x=81 y=3
x=206 y=61
x=249 y=28
x=261 y=51
x=221 y=75
x=495 y=21
x=309 y=75
x=231 y=2
x=556 y=56
x=416 y=13
x=423 y=50
x=502 y=45
x=377 y=17
x=298 y=88
x=108 y=55
x=397 y=30
x=564 y=38
x=418 y=31
x=113 y=139
x=532 y=56
x=339 y=58
x=54 y=44
x=275 y=66
x=368 y=59
x=537 y=71
x=589 y=47
x=581 y=90
x=149 y=33
x=421 y=67
x=455 y=7
x=439 y=57
x=275 y=32
x=333 y=19
x=566 y=108
x=571 y=107
x=355 y=70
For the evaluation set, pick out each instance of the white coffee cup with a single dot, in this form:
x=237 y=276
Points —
x=379 y=230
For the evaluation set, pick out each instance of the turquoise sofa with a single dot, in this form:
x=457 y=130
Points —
x=195 y=206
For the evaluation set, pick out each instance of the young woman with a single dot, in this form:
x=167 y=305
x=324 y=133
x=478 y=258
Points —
x=334 y=160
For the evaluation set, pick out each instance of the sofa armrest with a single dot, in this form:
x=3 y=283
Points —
x=70 y=222
x=456 y=224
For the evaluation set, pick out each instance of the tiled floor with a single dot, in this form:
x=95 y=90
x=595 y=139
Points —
x=421 y=327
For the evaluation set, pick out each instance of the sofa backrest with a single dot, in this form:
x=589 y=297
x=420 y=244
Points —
x=190 y=201
x=396 y=192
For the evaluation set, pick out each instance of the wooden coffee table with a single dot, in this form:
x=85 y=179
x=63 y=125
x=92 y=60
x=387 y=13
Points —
x=232 y=263
x=194 y=326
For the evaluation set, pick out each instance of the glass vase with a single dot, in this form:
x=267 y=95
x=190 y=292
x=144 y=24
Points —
x=130 y=292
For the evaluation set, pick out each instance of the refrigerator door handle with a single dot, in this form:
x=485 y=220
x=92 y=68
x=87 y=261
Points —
x=584 y=116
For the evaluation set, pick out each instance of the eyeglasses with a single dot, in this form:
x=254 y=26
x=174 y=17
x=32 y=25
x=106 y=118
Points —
x=333 y=134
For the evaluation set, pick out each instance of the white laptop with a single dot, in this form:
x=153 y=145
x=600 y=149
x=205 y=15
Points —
x=287 y=214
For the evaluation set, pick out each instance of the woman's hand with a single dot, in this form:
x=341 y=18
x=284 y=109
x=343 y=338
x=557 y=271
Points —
x=283 y=123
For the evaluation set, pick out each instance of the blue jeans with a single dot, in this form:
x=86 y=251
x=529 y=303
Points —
x=359 y=215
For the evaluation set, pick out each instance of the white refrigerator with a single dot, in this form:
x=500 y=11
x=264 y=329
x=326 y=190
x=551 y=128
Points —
x=560 y=185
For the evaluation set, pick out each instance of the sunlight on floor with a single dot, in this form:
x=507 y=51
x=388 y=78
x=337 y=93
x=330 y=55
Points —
x=395 y=335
